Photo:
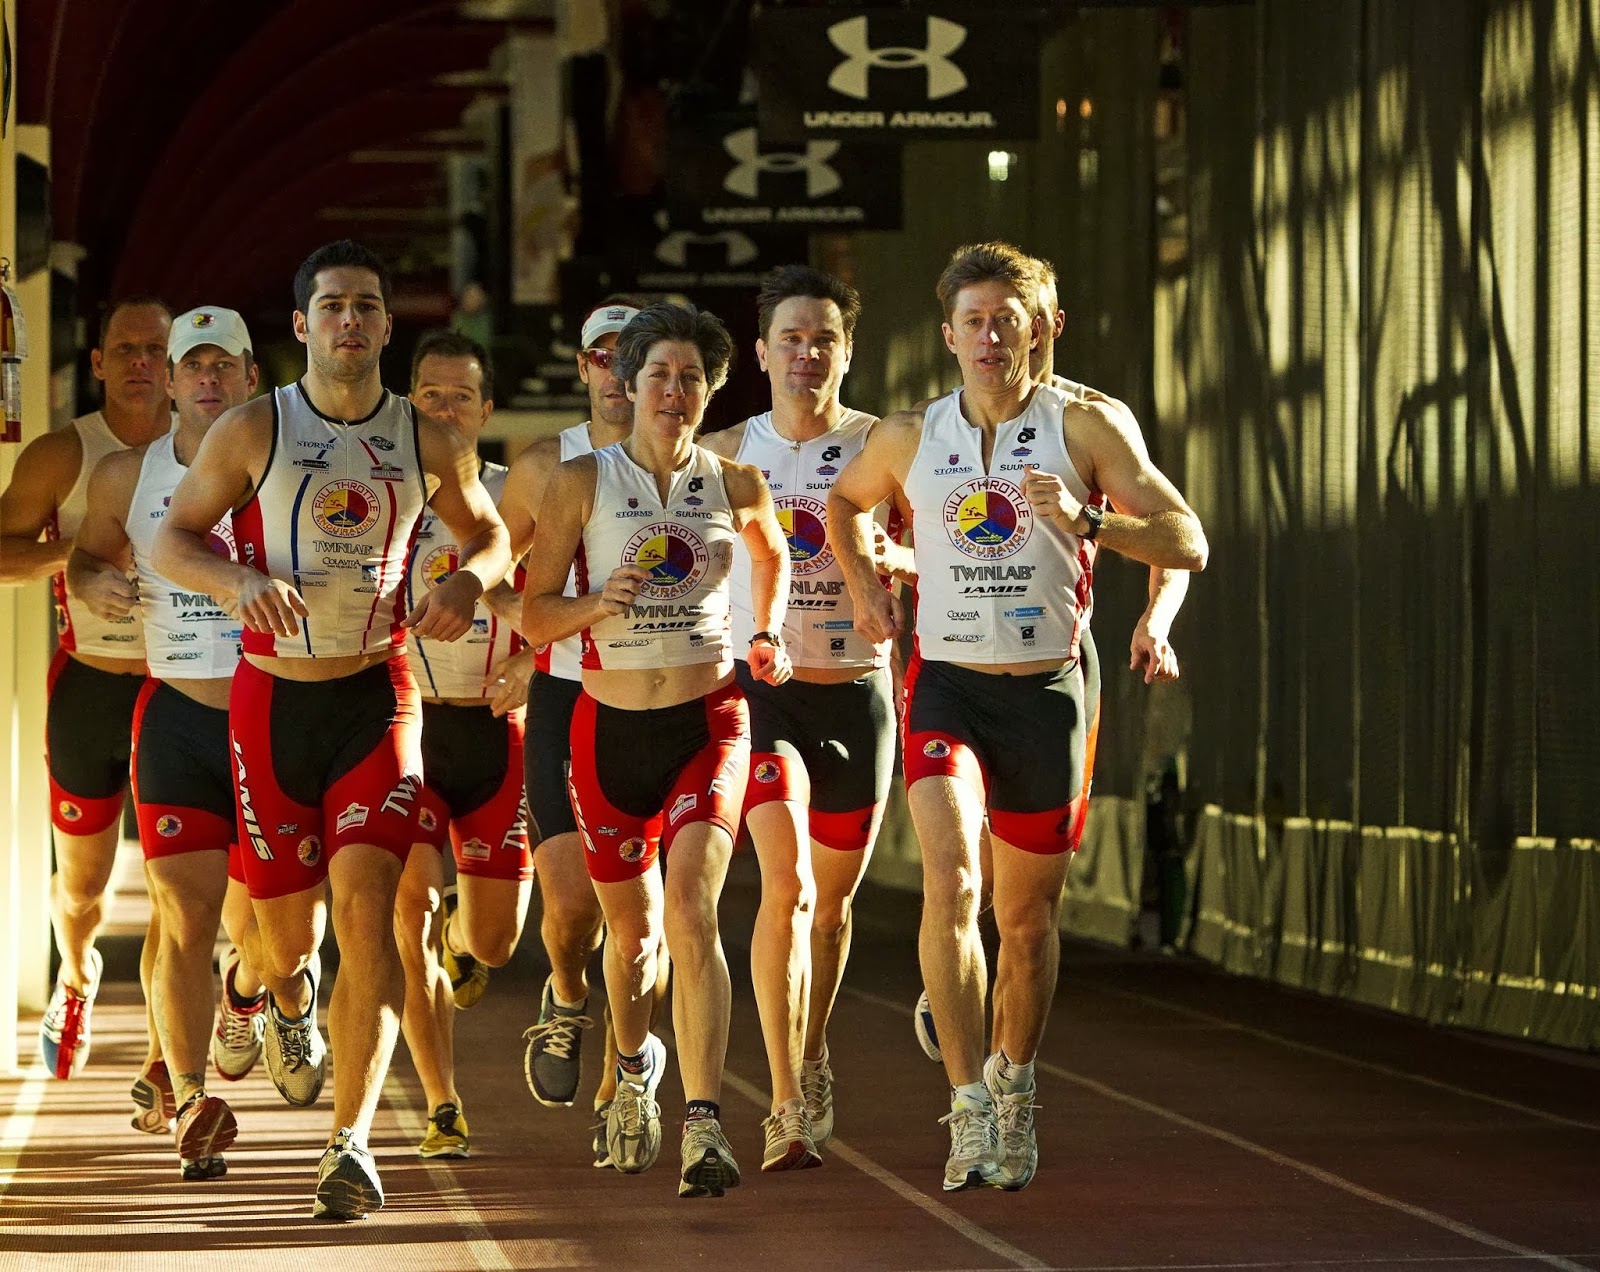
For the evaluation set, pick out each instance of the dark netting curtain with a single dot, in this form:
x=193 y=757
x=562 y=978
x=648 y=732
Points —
x=1379 y=364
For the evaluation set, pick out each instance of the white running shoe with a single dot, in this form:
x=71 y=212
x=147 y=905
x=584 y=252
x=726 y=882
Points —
x=347 y=1180
x=816 y=1085
x=633 y=1123
x=297 y=1058
x=1019 y=1147
x=241 y=1031
x=927 y=1035
x=708 y=1166
x=790 y=1145
x=974 y=1145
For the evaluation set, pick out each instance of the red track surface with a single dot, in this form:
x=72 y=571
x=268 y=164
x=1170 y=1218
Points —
x=1189 y=1120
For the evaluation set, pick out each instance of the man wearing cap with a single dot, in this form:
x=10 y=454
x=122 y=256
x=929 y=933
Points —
x=182 y=779
x=571 y=923
x=98 y=667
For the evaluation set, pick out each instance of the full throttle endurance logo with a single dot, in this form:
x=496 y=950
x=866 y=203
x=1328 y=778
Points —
x=988 y=518
x=673 y=556
x=805 y=525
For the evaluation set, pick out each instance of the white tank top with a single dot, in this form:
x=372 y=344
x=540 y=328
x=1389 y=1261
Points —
x=334 y=517
x=564 y=658
x=685 y=545
x=77 y=627
x=818 y=625
x=994 y=584
x=188 y=635
x=454 y=668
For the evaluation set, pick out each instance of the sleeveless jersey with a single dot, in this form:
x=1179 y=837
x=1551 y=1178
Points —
x=685 y=545
x=187 y=634
x=77 y=627
x=995 y=584
x=335 y=516
x=454 y=668
x=818 y=625
x=564 y=658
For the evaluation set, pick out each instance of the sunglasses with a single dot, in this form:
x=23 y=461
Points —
x=602 y=358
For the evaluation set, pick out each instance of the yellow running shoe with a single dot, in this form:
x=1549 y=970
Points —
x=468 y=977
x=447 y=1133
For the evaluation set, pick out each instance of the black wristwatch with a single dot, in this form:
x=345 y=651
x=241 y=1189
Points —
x=772 y=638
x=1094 y=514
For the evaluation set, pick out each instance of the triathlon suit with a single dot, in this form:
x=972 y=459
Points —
x=319 y=764
x=89 y=717
x=552 y=700
x=640 y=777
x=472 y=759
x=182 y=769
x=996 y=585
x=826 y=747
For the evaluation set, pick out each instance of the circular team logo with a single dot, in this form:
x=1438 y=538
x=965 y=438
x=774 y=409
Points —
x=936 y=748
x=440 y=564
x=69 y=811
x=988 y=518
x=427 y=820
x=309 y=850
x=221 y=540
x=766 y=771
x=673 y=556
x=632 y=849
x=345 y=509
x=805 y=525
x=169 y=827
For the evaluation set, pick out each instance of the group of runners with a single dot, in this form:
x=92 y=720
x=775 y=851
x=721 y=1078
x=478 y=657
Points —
x=332 y=641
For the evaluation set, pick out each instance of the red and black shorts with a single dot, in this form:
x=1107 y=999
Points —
x=826 y=747
x=321 y=764
x=183 y=777
x=1025 y=743
x=640 y=777
x=547 y=754
x=473 y=790
x=88 y=736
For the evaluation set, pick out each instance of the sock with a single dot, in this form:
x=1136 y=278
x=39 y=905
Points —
x=970 y=1095
x=240 y=1002
x=445 y=934
x=557 y=1001
x=1012 y=1077
x=634 y=1066
x=704 y=1108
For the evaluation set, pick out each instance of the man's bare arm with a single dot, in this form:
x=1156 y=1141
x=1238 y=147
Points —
x=519 y=509
x=876 y=474
x=102 y=556
x=43 y=477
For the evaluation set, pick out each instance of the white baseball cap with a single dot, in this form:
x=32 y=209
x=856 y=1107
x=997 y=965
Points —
x=208 y=325
x=606 y=319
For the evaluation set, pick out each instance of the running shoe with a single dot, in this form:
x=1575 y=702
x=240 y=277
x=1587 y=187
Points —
x=241 y=1031
x=468 y=977
x=927 y=1036
x=206 y=1126
x=297 y=1058
x=633 y=1123
x=974 y=1145
x=64 y=1032
x=816 y=1085
x=551 y=1062
x=790 y=1145
x=708 y=1166
x=155 y=1106
x=602 y=1153
x=1019 y=1147
x=193 y=1170
x=447 y=1133
x=347 y=1181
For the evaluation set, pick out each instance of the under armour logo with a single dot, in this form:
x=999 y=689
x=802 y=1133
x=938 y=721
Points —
x=739 y=249
x=745 y=179
x=944 y=76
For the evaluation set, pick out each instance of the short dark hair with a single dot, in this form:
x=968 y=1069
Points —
x=342 y=253
x=664 y=321
x=136 y=301
x=989 y=263
x=445 y=343
x=788 y=281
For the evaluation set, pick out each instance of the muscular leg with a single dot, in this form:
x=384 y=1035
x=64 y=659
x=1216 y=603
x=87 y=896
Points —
x=239 y=921
x=704 y=995
x=187 y=891
x=633 y=912
x=489 y=922
x=1027 y=909
x=948 y=816
x=279 y=945
x=838 y=875
x=147 y=974
x=369 y=992
x=78 y=895
x=571 y=922
x=780 y=946
x=429 y=1017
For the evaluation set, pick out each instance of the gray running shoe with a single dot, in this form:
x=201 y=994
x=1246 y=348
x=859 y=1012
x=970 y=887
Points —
x=347 y=1181
x=241 y=1031
x=816 y=1085
x=927 y=1035
x=633 y=1123
x=192 y=1170
x=790 y=1145
x=708 y=1166
x=1019 y=1148
x=297 y=1058
x=974 y=1146
x=602 y=1153
x=552 y=1060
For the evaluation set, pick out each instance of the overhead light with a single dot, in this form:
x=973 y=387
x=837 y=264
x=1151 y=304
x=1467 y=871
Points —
x=1000 y=164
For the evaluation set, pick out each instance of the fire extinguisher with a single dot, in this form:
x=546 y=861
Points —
x=13 y=349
